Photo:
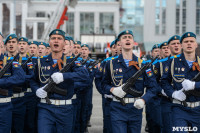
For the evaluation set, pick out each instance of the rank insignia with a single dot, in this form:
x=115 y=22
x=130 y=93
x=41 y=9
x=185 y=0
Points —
x=155 y=70
x=166 y=69
x=120 y=70
x=100 y=69
x=183 y=69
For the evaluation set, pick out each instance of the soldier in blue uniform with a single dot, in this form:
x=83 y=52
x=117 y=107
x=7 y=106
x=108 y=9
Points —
x=166 y=113
x=154 y=108
x=176 y=80
x=33 y=48
x=42 y=49
x=77 y=47
x=127 y=118
x=106 y=99
x=57 y=116
x=13 y=77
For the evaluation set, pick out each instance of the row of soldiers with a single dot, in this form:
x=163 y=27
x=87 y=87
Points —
x=172 y=85
x=63 y=86
x=33 y=66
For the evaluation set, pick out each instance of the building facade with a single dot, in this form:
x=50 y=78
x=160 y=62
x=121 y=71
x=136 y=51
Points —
x=30 y=18
x=165 y=18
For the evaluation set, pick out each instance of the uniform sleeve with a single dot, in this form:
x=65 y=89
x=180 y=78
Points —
x=151 y=86
x=34 y=81
x=17 y=78
x=79 y=74
x=197 y=86
x=106 y=81
x=98 y=79
x=166 y=80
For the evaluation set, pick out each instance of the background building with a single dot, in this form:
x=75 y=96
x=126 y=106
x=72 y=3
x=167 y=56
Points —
x=165 y=18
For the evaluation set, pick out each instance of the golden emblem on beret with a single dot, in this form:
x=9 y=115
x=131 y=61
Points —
x=165 y=43
x=84 y=45
x=127 y=31
x=175 y=37
x=22 y=39
x=10 y=37
x=41 y=42
x=31 y=42
x=188 y=34
x=56 y=32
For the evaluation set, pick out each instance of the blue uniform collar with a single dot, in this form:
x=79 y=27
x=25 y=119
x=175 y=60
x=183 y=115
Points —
x=182 y=59
x=49 y=58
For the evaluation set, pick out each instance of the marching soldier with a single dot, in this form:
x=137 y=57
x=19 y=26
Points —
x=18 y=79
x=33 y=48
x=58 y=115
x=176 y=82
x=77 y=48
x=42 y=49
x=127 y=118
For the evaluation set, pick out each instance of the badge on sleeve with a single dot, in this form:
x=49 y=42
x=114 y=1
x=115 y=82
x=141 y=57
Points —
x=100 y=69
x=15 y=64
x=77 y=63
x=30 y=65
x=155 y=70
x=149 y=72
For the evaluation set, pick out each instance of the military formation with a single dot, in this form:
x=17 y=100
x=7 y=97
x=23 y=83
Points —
x=48 y=87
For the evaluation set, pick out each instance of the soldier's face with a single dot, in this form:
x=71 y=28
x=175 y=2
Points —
x=114 y=50
x=127 y=42
x=57 y=42
x=33 y=49
x=72 y=46
x=48 y=50
x=175 y=47
x=164 y=51
x=67 y=47
x=119 y=48
x=189 y=45
x=23 y=47
x=155 y=52
x=77 y=49
x=85 y=51
x=11 y=45
x=42 y=50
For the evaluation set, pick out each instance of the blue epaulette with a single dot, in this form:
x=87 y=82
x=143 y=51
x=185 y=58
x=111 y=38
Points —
x=34 y=57
x=24 y=58
x=69 y=57
x=79 y=59
x=175 y=56
x=9 y=58
x=163 y=60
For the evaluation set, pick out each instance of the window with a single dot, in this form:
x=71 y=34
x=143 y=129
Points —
x=184 y=17
x=177 y=16
x=40 y=30
x=70 y=24
x=198 y=3
x=106 y=23
x=40 y=14
x=178 y=3
x=87 y=23
x=177 y=30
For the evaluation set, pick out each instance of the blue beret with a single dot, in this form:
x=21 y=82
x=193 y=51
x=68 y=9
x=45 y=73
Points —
x=71 y=38
x=124 y=33
x=23 y=39
x=78 y=42
x=112 y=43
x=47 y=45
x=67 y=38
x=34 y=42
x=10 y=37
x=42 y=43
x=175 y=37
x=163 y=44
x=84 y=45
x=1 y=34
x=155 y=46
x=187 y=34
x=57 y=32
x=116 y=40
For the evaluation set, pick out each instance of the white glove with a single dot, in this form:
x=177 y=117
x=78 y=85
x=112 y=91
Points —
x=139 y=104
x=179 y=95
x=41 y=93
x=163 y=92
x=188 y=85
x=57 y=77
x=117 y=91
